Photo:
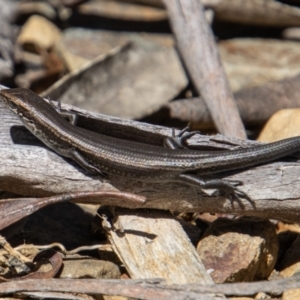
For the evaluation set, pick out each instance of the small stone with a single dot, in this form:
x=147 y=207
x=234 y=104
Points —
x=291 y=295
x=262 y=296
x=239 y=250
x=90 y=268
x=291 y=270
x=283 y=124
x=39 y=34
x=287 y=227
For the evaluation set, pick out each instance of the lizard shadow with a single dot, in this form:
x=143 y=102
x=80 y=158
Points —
x=20 y=135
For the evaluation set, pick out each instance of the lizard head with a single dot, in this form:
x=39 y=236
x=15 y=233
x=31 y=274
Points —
x=27 y=105
x=17 y=100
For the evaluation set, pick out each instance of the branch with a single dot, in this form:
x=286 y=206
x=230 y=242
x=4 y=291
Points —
x=150 y=289
x=198 y=49
x=36 y=171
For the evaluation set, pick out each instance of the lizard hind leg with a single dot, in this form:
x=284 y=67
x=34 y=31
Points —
x=227 y=187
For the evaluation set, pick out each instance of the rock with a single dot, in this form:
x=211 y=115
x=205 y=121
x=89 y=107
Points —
x=283 y=124
x=287 y=227
x=90 y=268
x=239 y=250
x=291 y=270
x=262 y=296
x=230 y=256
x=39 y=33
x=291 y=295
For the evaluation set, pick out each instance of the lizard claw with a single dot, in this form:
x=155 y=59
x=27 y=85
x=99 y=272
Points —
x=177 y=141
x=234 y=193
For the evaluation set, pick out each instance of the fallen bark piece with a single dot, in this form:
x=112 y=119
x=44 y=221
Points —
x=121 y=83
x=72 y=47
x=239 y=250
x=257 y=12
x=150 y=289
x=127 y=288
x=122 y=11
x=152 y=244
x=54 y=295
x=256 y=104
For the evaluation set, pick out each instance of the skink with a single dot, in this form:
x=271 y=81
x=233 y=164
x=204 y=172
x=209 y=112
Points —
x=108 y=155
